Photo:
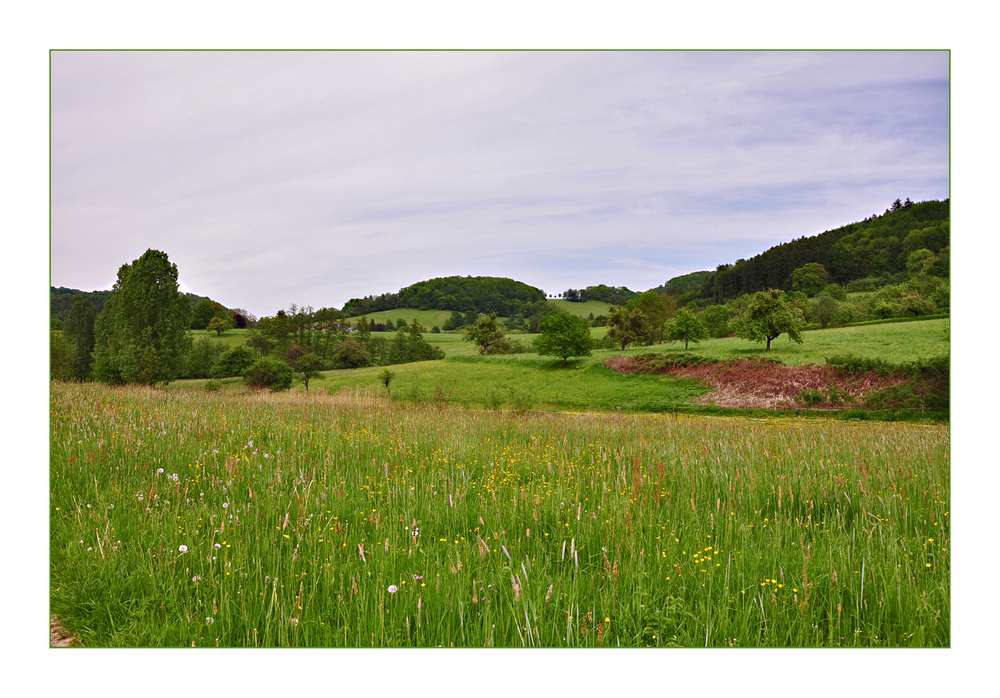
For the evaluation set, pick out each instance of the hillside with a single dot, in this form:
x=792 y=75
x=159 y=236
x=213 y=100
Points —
x=484 y=294
x=876 y=248
x=61 y=301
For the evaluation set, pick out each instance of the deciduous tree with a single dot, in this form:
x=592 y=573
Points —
x=485 y=333
x=686 y=327
x=564 y=335
x=769 y=314
x=219 y=325
x=626 y=325
x=141 y=335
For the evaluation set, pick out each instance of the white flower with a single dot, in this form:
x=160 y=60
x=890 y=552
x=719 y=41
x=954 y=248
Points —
x=393 y=589
x=160 y=470
x=218 y=545
x=209 y=620
x=295 y=621
x=225 y=505
x=183 y=548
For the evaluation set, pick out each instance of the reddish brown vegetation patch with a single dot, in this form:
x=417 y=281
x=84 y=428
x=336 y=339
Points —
x=762 y=384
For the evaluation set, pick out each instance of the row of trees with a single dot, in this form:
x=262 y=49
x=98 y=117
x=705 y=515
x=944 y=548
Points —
x=141 y=336
x=561 y=335
x=760 y=317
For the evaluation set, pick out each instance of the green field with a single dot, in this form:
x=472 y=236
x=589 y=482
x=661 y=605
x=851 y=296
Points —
x=183 y=518
x=229 y=338
x=583 y=309
x=531 y=381
x=894 y=342
x=427 y=318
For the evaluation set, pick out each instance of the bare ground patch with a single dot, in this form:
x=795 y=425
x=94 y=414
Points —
x=763 y=384
x=59 y=636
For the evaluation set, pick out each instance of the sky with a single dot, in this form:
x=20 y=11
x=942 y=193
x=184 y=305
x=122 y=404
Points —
x=273 y=178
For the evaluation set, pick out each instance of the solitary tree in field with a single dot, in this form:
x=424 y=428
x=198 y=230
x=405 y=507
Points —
x=686 y=327
x=141 y=335
x=564 y=335
x=768 y=315
x=307 y=366
x=485 y=333
x=219 y=325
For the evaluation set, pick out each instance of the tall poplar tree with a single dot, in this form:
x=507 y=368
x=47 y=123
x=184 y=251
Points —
x=141 y=335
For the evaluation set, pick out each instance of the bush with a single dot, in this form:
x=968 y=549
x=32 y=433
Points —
x=812 y=397
x=351 y=353
x=234 y=362
x=269 y=374
x=213 y=385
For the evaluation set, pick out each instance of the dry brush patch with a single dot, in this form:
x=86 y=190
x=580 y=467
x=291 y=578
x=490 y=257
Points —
x=763 y=384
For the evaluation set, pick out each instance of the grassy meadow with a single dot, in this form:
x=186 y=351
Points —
x=529 y=381
x=184 y=518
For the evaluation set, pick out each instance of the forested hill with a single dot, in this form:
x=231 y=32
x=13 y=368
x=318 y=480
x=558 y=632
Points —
x=485 y=294
x=679 y=285
x=61 y=300
x=876 y=248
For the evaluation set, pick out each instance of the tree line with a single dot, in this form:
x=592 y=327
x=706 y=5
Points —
x=141 y=336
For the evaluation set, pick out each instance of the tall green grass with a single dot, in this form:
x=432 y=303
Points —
x=350 y=520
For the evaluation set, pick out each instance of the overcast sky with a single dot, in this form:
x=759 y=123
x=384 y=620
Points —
x=273 y=178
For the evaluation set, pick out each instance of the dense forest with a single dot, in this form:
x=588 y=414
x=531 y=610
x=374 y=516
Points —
x=859 y=256
x=484 y=294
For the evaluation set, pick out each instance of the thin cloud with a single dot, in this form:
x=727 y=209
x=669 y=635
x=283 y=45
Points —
x=280 y=177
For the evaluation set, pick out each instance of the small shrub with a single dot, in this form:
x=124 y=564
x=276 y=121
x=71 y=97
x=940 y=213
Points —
x=415 y=391
x=213 y=385
x=812 y=397
x=523 y=399
x=493 y=398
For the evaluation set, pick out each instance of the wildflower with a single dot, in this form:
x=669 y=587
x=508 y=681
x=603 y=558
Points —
x=209 y=620
x=393 y=589
x=225 y=505
x=160 y=470
x=183 y=548
x=217 y=546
